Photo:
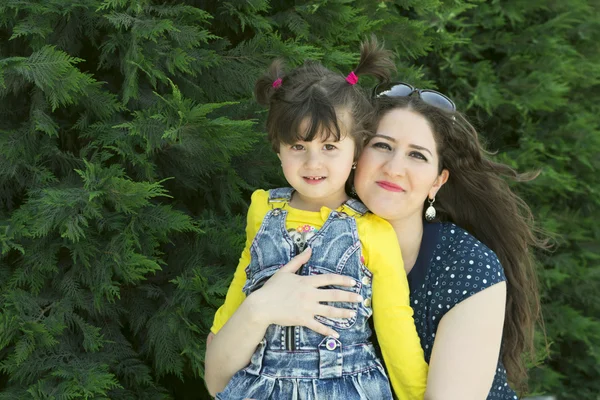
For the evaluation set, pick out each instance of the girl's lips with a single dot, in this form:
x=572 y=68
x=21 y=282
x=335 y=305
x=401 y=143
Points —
x=389 y=186
x=312 y=181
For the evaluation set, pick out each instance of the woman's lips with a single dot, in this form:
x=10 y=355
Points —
x=389 y=186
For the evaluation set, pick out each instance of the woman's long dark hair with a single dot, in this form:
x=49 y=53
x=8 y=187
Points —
x=478 y=198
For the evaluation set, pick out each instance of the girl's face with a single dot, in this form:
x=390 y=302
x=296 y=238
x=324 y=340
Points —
x=319 y=169
x=398 y=168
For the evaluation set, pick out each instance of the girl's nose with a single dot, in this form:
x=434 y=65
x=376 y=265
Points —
x=313 y=160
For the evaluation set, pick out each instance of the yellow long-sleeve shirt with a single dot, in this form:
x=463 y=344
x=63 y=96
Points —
x=396 y=331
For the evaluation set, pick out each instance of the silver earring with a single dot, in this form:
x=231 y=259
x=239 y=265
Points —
x=353 y=191
x=353 y=165
x=430 y=212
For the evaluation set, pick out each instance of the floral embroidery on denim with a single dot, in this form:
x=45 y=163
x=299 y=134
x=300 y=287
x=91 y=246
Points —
x=301 y=235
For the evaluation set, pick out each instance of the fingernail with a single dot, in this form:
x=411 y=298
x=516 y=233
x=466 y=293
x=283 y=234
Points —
x=352 y=282
x=360 y=298
x=335 y=335
x=352 y=314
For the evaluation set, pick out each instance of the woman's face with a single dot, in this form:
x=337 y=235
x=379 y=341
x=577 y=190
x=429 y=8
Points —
x=398 y=169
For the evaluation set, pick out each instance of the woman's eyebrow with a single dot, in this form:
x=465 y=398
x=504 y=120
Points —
x=391 y=139
x=414 y=146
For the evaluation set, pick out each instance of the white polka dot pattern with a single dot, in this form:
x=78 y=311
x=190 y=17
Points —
x=459 y=267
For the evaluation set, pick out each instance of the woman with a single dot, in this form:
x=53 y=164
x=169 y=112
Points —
x=423 y=154
x=472 y=323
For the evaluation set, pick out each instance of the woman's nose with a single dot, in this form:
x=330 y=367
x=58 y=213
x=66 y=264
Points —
x=395 y=166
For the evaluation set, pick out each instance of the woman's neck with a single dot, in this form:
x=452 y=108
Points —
x=410 y=233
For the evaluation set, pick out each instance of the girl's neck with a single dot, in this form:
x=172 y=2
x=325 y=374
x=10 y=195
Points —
x=310 y=204
x=409 y=231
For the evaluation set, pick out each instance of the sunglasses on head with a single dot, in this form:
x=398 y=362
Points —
x=401 y=89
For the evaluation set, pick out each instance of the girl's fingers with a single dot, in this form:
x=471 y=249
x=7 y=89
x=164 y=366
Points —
x=331 y=280
x=298 y=261
x=322 y=329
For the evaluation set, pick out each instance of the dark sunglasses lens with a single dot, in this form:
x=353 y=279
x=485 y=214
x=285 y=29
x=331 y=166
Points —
x=397 y=90
x=437 y=100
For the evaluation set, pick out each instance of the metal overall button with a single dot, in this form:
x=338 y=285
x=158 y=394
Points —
x=342 y=215
x=276 y=211
x=367 y=302
x=331 y=344
x=365 y=280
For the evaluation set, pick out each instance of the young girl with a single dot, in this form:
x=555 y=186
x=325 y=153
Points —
x=315 y=126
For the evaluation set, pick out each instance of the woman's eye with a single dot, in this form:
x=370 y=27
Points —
x=382 y=145
x=297 y=147
x=329 y=147
x=418 y=155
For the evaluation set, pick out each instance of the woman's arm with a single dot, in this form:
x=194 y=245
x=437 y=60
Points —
x=466 y=348
x=230 y=350
x=286 y=299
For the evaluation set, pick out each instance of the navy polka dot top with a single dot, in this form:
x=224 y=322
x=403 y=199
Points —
x=452 y=265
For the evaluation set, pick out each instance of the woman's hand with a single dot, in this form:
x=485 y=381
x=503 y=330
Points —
x=288 y=299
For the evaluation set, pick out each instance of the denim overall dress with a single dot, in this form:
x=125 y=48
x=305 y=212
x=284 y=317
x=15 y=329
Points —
x=296 y=362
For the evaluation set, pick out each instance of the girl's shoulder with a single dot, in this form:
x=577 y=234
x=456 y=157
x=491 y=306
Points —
x=374 y=227
x=259 y=205
x=260 y=196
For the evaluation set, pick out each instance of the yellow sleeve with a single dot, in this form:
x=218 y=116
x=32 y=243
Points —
x=235 y=296
x=393 y=316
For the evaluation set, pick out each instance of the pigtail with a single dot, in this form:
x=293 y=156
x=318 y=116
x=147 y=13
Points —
x=375 y=60
x=268 y=84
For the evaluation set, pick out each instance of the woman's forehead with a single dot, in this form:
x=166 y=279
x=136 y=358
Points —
x=406 y=125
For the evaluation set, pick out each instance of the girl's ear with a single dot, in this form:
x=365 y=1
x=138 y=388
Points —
x=438 y=183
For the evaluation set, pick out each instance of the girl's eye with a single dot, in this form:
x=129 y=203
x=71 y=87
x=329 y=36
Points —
x=297 y=147
x=329 y=147
x=382 y=145
x=418 y=155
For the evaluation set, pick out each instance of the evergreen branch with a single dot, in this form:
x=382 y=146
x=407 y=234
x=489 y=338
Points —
x=44 y=123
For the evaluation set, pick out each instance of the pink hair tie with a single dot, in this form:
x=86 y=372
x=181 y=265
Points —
x=277 y=83
x=352 y=78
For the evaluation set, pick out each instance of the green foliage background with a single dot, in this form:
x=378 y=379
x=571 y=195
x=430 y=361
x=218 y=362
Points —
x=129 y=145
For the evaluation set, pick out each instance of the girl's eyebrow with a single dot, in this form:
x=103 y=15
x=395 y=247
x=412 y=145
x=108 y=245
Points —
x=414 y=146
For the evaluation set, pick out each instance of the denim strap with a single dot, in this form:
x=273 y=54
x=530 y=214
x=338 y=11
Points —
x=356 y=206
x=256 y=361
x=330 y=358
x=280 y=195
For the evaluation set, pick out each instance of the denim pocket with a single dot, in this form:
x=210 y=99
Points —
x=339 y=323
x=258 y=279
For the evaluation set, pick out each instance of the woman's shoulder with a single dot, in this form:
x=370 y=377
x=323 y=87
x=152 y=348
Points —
x=461 y=265
x=456 y=243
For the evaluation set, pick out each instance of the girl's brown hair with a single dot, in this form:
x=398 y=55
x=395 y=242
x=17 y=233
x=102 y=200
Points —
x=315 y=94
x=478 y=198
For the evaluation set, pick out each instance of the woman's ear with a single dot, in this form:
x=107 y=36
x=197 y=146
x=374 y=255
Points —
x=438 y=183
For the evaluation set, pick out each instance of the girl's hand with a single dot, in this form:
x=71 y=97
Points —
x=288 y=299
